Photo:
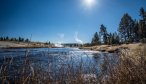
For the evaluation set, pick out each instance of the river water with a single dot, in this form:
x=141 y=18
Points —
x=53 y=59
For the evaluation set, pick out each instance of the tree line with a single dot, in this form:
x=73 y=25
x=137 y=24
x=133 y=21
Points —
x=19 y=39
x=129 y=31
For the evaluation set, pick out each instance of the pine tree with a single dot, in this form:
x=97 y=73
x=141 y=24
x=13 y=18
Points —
x=126 y=28
x=1 y=38
x=117 y=38
x=103 y=34
x=12 y=39
x=49 y=42
x=95 y=39
x=110 y=38
x=4 y=39
x=7 y=38
x=136 y=32
x=142 y=12
x=20 y=39
x=27 y=40
x=142 y=25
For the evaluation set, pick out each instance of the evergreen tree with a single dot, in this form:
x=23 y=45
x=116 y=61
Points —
x=15 y=39
x=4 y=39
x=110 y=38
x=103 y=34
x=142 y=12
x=136 y=32
x=49 y=42
x=7 y=38
x=117 y=38
x=126 y=28
x=142 y=24
x=12 y=39
x=20 y=39
x=27 y=40
x=113 y=38
x=95 y=39
x=1 y=38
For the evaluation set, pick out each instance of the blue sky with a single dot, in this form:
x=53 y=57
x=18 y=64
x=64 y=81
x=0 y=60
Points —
x=63 y=20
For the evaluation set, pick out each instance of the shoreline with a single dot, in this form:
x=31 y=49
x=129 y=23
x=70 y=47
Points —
x=114 y=48
x=101 y=48
x=18 y=45
x=27 y=47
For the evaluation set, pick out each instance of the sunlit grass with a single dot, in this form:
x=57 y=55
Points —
x=129 y=68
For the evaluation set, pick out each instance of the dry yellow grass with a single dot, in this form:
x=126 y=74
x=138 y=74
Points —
x=129 y=69
x=112 y=48
x=10 y=44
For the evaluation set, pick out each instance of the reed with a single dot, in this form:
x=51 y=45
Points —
x=127 y=68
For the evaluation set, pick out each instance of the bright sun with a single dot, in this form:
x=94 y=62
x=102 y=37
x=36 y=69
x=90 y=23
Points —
x=89 y=3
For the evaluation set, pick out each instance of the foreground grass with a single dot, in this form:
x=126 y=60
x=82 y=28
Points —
x=130 y=68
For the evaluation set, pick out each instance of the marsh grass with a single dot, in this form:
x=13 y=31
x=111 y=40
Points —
x=129 y=68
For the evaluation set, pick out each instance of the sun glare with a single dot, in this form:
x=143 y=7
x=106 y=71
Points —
x=89 y=3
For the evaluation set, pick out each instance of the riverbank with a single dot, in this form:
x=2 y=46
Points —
x=129 y=65
x=13 y=44
x=114 y=48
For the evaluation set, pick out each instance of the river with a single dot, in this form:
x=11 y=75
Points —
x=53 y=59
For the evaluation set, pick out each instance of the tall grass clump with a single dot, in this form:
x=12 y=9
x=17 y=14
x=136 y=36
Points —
x=130 y=69
x=31 y=70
